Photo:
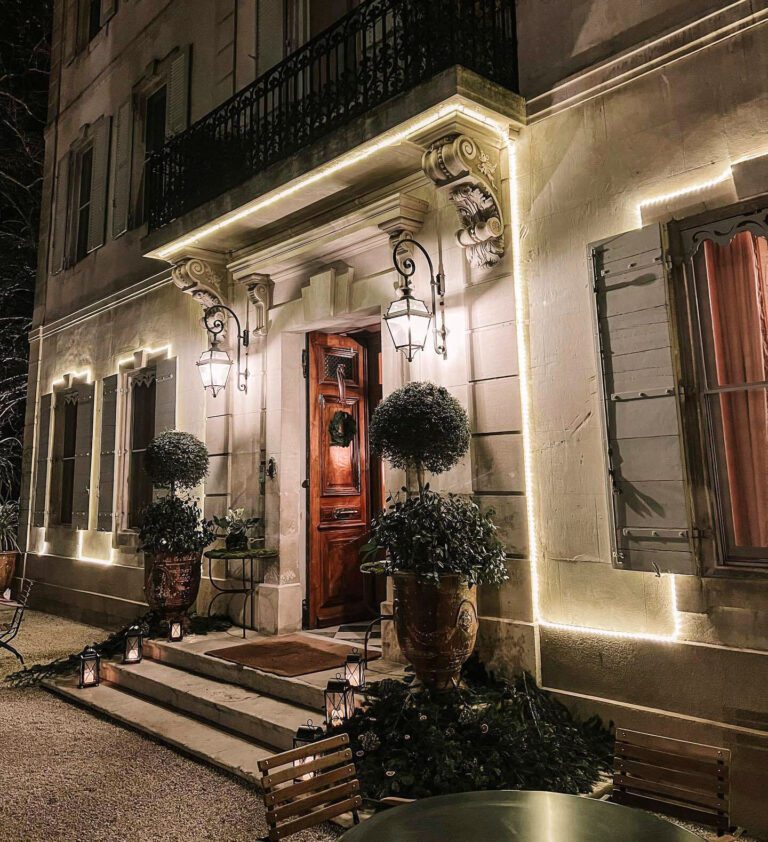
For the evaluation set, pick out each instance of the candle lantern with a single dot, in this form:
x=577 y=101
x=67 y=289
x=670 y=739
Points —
x=306 y=735
x=90 y=668
x=176 y=631
x=354 y=670
x=339 y=702
x=134 y=644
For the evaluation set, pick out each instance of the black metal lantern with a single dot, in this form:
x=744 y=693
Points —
x=354 y=669
x=134 y=645
x=339 y=702
x=90 y=668
x=306 y=735
x=175 y=631
x=215 y=363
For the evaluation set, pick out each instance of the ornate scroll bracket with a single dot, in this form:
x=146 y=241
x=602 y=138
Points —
x=200 y=279
x=259 y=289
x=457 y=163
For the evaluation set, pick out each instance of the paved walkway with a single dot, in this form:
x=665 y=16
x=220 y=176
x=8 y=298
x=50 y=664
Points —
x=67 y=775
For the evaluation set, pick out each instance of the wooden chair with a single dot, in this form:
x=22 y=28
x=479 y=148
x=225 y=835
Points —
x=9 y=630
x=323 y=786
x=685 y=780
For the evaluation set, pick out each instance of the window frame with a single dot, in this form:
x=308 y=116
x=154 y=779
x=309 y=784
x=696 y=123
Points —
x=709 y=491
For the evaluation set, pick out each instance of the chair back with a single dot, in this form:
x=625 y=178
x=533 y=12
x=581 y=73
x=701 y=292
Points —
x=686 y=780
x=18 y=614
x=309 y=785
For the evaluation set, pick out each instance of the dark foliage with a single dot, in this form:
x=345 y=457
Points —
x=485 y=735
x=175 y=526
x=431 y=534
x=420 y=426
x=152 y=626
x=176 y=460
x=24 y=60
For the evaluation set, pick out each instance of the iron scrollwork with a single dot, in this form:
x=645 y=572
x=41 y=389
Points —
x=215 y=323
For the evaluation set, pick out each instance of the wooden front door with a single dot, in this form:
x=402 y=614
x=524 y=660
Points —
x=339 y=502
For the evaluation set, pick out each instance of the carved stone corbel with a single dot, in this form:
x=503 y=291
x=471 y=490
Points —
x=200 y=279
x=457 y=163
x=259 y=290
x=405 y=221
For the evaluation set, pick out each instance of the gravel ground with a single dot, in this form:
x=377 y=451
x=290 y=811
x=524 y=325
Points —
x=68 y=775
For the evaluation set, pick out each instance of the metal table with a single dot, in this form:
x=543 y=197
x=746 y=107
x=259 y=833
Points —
x=521 y=816
x=246 y=558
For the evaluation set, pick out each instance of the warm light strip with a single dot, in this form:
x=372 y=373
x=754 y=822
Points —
x=685 y=191
x=359 y=154
x=86 y=376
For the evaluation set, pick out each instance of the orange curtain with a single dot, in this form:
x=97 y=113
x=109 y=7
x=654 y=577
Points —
x=737 y=275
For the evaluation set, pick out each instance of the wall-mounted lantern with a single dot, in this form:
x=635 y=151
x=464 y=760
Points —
x=214 y=363
x=409 y=318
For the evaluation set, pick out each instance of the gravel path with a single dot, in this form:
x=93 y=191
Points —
x=68 y=775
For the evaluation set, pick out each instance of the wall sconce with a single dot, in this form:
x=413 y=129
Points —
x=176 y=631
x=214 y=363
x=354 y=670
x=90 y=668
x=306 y=735
x=408 y=318
x=339 y=702
x=134 y=645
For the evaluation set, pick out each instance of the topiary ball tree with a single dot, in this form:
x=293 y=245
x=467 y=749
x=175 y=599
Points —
x=420 y=427
x=176 y=460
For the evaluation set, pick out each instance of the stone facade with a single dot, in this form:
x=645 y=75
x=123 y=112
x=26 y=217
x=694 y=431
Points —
x=666 y=100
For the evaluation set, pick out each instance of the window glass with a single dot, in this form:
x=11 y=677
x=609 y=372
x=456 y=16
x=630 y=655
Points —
x=69 y=432
x=94 y=18
x=142 y=431
x=84 y=203
x=154 y=134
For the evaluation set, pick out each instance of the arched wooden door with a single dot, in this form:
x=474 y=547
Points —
x=339 y=500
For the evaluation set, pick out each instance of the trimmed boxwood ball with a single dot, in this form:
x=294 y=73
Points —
x=420 y=426
x=176 y=460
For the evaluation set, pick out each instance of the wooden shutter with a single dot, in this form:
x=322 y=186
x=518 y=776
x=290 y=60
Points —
x=105 y=520
x=97 y=217
x=108 y=9
x=121 y=197
x=270 y=35
x=60 y=214
x=81 y=486
x=165 y=395
x=70 y=24
x=641 y=400
x=177 y=112
x=43 y=460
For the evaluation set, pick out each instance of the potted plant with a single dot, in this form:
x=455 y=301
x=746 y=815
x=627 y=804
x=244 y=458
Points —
x=237 y=528
x=173 y=533
x=9 y=527
x=438 y=547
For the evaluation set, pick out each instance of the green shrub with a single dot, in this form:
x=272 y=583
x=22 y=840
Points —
x=9 y=526
x=176 y=460
x=175 y=526
x=420 y=427
x=431 y=534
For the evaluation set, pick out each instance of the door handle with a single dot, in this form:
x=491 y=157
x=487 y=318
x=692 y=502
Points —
x=344 y=514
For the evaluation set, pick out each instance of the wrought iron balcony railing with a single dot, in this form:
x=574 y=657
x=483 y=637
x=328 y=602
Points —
x=379 y=50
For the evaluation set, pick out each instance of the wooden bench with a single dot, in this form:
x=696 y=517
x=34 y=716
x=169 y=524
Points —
x=324 y=786
x=685 y=780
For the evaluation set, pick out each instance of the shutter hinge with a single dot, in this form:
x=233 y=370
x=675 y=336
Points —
x=305 y=363
x=668 y=261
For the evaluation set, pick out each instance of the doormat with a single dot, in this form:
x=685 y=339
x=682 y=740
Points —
x=291 y=655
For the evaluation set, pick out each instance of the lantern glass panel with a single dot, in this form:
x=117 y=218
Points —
x=339 y=702
x=214 y=366
x=408 y=322
x=176 y=631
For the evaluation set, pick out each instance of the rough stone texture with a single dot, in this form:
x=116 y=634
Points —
x=71 y=775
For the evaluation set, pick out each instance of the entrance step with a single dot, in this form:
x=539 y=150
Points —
x=230 y=752
x=266 y=720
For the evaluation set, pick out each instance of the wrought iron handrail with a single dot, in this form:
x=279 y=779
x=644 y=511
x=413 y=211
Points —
x=380 y=49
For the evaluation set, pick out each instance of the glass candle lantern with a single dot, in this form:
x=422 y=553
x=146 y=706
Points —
x=306 y=735
x=134 y=644
x=90 y=668
x=339 y=702
x=354 y=670
x=176 y=631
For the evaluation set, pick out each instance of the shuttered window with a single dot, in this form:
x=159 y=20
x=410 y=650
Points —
x=143 y=397
x=60 y=215
x=105 y=519
x=641 y=395
x=67 y=419
x=177 y=114
x=43 y=461
x=81 y=484
x=98 y=187
x=83 y=205
x=121 y=191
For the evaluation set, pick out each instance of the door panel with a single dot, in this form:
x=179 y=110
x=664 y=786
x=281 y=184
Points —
x=339 y=502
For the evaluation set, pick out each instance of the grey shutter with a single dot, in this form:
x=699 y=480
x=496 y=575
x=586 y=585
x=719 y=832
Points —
x=270 y=35
x=43 y=460
x=177 y=112
x=105 y=521
x=108 y=9
x=97 y=217
x=121 y=197
x=70 y=24
x=641 y=401
x=165 y=395
x=60 y=215
x=81 y=486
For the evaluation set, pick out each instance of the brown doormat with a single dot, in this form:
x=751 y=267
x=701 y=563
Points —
x=291 y=655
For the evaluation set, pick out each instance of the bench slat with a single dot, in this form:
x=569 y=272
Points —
x=292 y=772
x=671 y=808
x=302 y=805
x=674 y=777
x=277 y=833
x=696 y=799
x=679 y=748
x=319 y=747
x=278 y=796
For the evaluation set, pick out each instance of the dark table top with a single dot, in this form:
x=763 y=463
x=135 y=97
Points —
x=519 y=816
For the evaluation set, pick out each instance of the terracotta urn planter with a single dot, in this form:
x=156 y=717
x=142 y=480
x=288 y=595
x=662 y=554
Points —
x=7 y=566
x=436 y=626
x=171 y=583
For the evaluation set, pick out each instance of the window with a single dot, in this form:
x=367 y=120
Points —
x=143 y=394
x=94 y=19
x=155 y=121
x=68 y=418
x=730 y=291
x=83 y=209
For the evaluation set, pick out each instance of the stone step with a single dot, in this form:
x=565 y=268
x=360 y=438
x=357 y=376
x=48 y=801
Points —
x=234 y=754
x=266 y=720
